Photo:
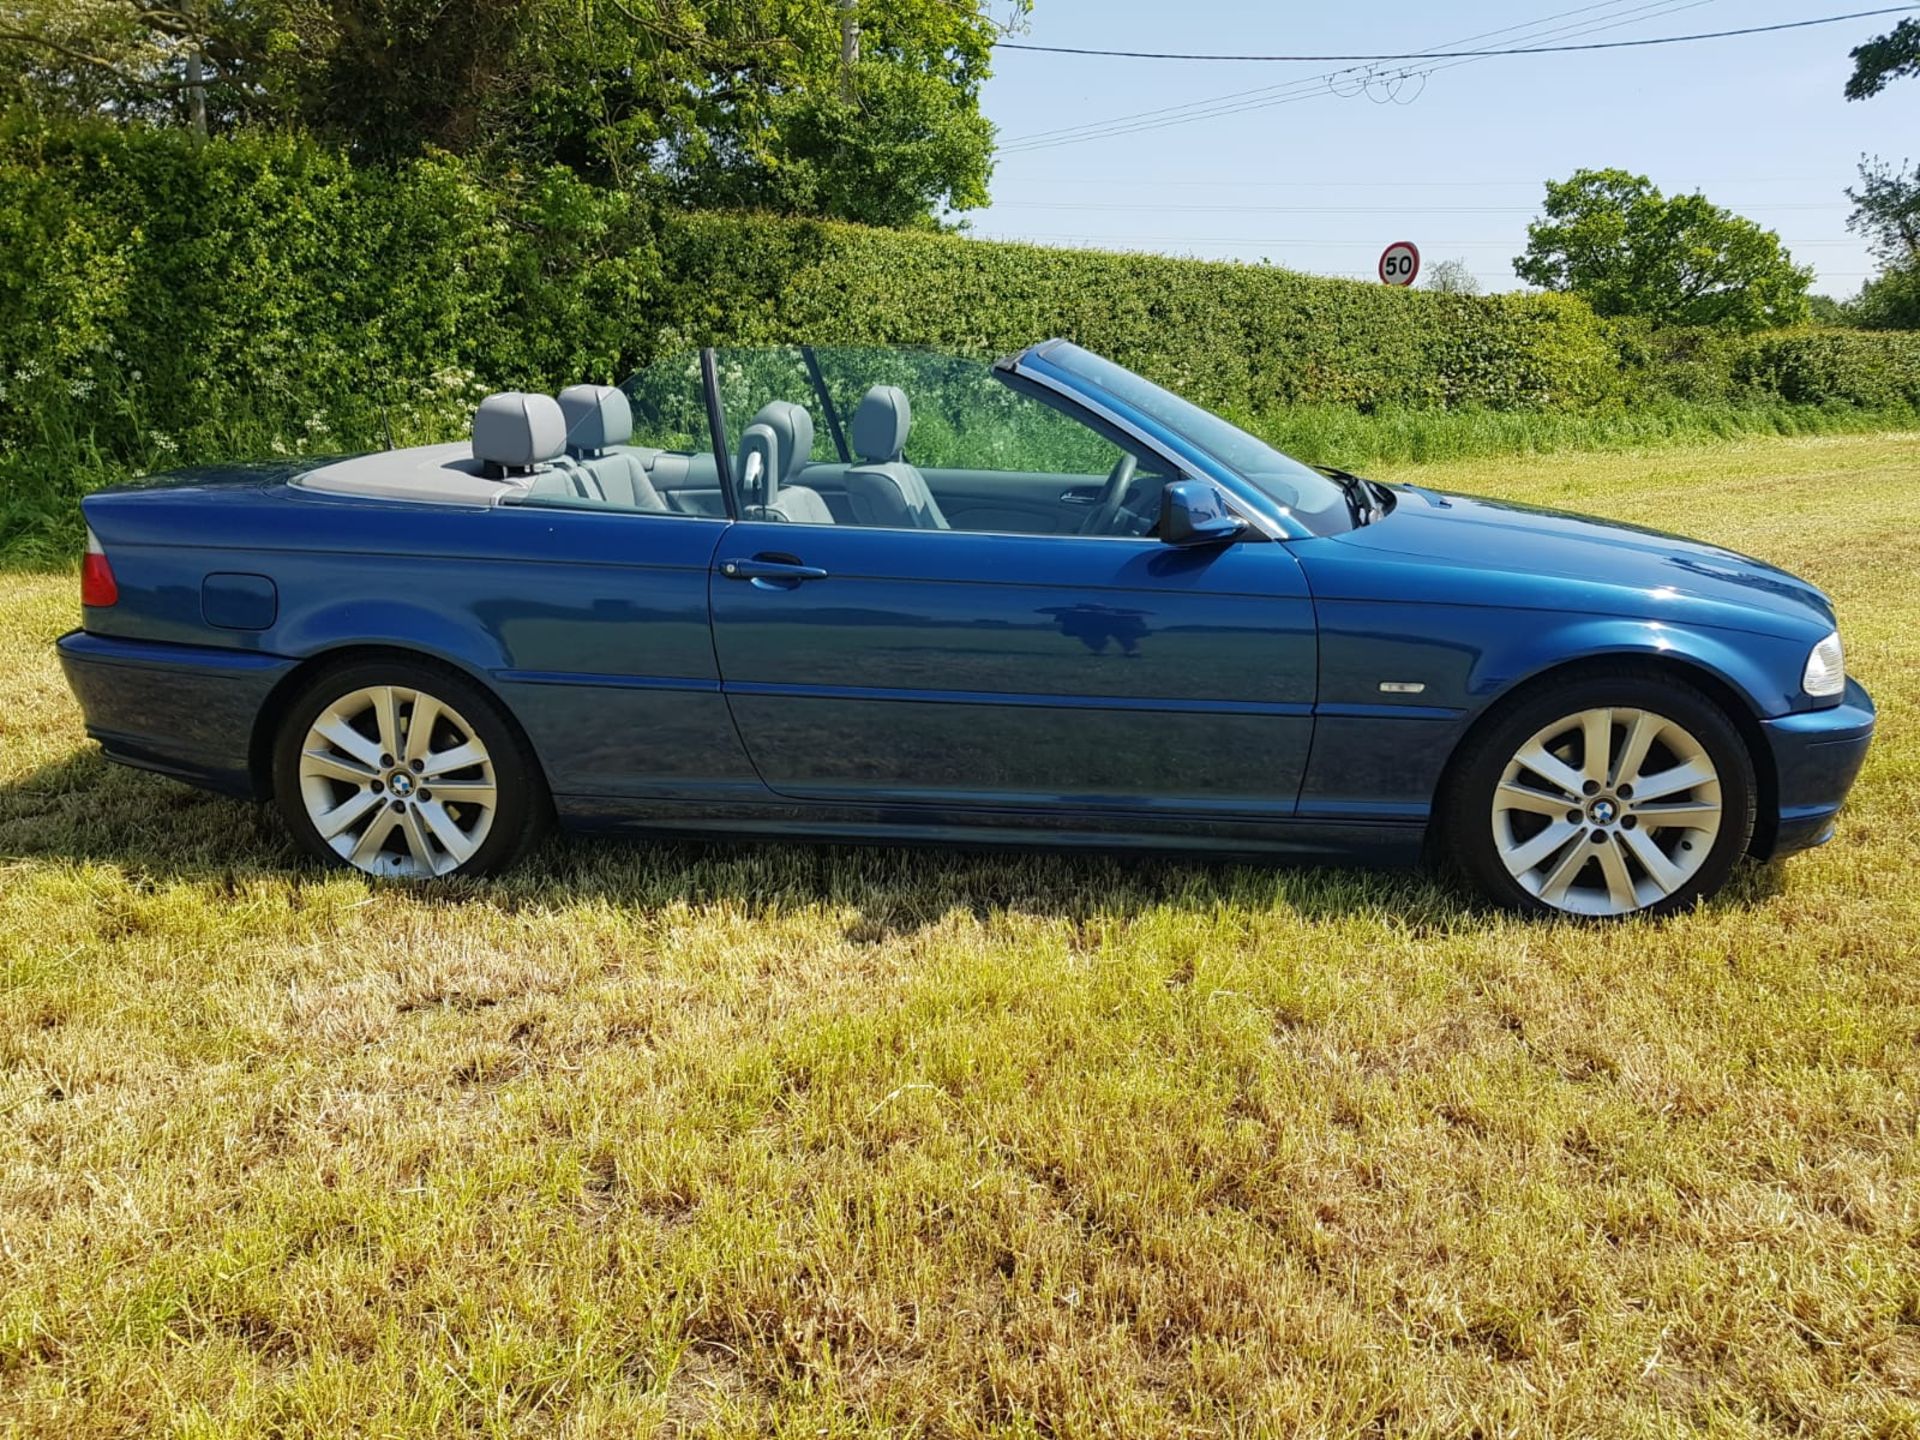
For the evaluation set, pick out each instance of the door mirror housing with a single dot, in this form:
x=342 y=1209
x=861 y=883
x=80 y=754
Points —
x=1192 y=512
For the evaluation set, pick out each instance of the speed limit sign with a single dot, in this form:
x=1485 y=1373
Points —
x=1401 y=264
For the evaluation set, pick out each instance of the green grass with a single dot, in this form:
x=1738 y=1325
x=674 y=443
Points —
x=747 y=1140
x=1339 y=435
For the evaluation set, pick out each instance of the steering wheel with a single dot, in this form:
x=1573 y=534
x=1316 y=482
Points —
x=1107 y=508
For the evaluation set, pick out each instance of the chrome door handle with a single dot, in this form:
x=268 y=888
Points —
x=1081 y=495
x=759 y=569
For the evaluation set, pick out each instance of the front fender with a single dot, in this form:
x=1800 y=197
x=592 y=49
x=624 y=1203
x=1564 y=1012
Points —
x=1764 y=670
x=1380 y=745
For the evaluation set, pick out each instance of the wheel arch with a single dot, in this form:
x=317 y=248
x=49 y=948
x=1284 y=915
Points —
x=273 y=710
x=1727 y=697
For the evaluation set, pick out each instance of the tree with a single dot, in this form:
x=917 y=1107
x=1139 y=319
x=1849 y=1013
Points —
x=708 y=102
x=1889 y=301
x=1825 y=310
x=1452 y=277
x=134 y=59
x=1615 y=240
x=1886 y=209
x=1884 y=59
x=1886 y=206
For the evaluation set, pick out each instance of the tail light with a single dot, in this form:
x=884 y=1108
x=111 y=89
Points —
x=97 y=586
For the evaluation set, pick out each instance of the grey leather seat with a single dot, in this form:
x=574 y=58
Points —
x=599 y=422
x=774 y=450
x=883 y=489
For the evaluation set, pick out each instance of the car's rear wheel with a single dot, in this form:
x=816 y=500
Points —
x=1629 y=794
x=405 y=771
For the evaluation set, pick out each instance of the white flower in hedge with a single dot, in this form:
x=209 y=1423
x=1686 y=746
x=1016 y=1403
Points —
x=457 y=380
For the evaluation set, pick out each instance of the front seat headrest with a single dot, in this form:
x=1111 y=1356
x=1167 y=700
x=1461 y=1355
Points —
x=517 y=431
x=598 y=418
x=881 y=424
x=793 y=428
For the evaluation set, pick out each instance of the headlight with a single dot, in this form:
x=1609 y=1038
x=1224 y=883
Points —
x=1826 y=668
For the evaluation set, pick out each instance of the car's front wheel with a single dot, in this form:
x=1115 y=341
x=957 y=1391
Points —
x=1629 y=794
x=405 y=771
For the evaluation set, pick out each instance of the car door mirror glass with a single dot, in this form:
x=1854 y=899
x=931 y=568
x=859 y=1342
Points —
x=1192 y=512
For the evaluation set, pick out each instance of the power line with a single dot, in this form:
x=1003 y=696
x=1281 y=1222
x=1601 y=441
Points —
x=1159 y=182
x=1374 y=240
x=1135 y=208
x=1355 y=80
x=1541 y=26
x=1459 y=54
x=1371 y=243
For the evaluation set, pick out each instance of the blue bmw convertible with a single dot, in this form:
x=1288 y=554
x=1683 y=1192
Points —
x=887 y=595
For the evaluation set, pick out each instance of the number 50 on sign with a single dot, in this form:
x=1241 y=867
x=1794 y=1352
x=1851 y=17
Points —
x=1401 y=264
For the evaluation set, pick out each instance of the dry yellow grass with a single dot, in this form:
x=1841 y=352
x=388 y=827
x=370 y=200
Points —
x=813 y=1142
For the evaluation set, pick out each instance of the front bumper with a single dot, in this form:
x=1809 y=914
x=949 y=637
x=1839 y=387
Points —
x=184 y=710
x=1816 y=755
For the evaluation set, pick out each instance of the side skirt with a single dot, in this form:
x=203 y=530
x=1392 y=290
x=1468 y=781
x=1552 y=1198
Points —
x=1359 y=843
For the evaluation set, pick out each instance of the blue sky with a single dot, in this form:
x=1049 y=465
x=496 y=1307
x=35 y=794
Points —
x=1325 y=182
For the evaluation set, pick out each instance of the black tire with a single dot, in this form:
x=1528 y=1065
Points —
x=522 y=808
x=1466 y=829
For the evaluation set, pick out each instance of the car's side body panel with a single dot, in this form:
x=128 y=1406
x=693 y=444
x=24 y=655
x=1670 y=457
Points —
x=1418 y=600
x=939 y=667
x=594 y=631
x=1377 y=754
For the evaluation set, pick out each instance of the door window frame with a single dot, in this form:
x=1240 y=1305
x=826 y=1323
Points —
x=717 y=429
x=1113 y=427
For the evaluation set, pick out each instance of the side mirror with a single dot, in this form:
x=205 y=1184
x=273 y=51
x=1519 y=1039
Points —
x=1192 y=512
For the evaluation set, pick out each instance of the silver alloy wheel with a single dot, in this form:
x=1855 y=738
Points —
x=1607 y=811
x=397 y=782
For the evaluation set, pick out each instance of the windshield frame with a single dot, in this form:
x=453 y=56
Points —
x=1282 y=521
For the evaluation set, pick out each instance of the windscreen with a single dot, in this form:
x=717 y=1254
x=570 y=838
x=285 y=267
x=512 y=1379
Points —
x=1311 y=497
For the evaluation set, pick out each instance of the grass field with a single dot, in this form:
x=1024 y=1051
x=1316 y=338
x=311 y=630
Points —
x=745 y=1140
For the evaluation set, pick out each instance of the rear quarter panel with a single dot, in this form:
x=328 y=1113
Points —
x=590 y=627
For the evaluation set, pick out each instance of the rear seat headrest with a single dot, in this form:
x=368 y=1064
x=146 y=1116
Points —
x=598 y=417
x=881 y=424
x=517 y=431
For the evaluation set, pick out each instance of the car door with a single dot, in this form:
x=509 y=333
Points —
x=998 y=670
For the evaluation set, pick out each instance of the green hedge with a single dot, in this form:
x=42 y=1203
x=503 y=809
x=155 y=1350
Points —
x=268 y=278
x=161 y=303
x=1872 y=369
x=1243 y=337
